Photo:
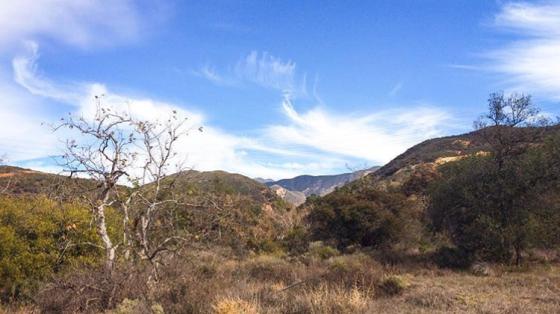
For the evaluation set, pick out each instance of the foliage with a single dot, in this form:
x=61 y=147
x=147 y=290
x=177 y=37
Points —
x=41 y=237
x=362 y=216
x=496 y=206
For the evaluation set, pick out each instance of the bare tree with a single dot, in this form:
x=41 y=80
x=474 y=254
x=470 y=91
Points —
x=118 y=151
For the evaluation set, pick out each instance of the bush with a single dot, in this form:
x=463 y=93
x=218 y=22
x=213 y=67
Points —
x=393 y=285
x=366 y=217
x=41 y=237
x=137 y=307
x=356 y=270
x=296 y=241
x=318 y=249
x=235 y=306
x=269 y=268
x=91 y=290
x=454 y=258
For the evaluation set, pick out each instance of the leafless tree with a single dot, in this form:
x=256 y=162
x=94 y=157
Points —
x=128 y=159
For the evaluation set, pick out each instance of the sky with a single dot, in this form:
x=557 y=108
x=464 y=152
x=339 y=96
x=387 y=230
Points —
x=281 y=88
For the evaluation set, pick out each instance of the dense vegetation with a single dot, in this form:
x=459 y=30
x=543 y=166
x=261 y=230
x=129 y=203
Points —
x=496 y=205
x=41 y=237
x=495 y=210
x=354 y=215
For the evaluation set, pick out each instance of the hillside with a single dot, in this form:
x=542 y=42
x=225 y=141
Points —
x=411 y=172
x=417 y=165
x=25 y=182
x=229 y=208
x=219 y=205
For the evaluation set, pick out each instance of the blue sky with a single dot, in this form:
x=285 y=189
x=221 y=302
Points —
x=281 y=87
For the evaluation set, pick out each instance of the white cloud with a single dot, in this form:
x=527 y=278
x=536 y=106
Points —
x=76 y=22
x=262 y=69
x=25 y=74
x=210 y=150
x=531 y=63
x=313 y=142
x=267 y=70
x=377 y=137
x=21 y=134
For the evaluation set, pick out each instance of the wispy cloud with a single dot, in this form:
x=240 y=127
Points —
x=376 y=137
x=78 y=23
x=26 y=75
x=261 y=69
x=267 y=70
x=22 y=135
x=532 y=62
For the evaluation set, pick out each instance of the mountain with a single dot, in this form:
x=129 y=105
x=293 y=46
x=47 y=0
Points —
x=264 y=181
x=320 y=185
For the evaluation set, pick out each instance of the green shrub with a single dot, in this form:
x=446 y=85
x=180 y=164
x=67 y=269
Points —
x=296 y=241
x=40 y=237
x=363 y=216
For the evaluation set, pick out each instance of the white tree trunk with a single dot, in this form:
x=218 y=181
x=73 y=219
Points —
x=107 y=243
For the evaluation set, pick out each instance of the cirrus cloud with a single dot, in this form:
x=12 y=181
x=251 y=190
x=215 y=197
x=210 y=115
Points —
x=79 y=23
x=532 y=61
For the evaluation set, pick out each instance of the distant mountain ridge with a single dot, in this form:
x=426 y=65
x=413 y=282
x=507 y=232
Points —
x=320 y=185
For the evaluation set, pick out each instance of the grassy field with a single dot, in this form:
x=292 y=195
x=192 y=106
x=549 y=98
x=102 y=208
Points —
x=214 y=282
x=393 y=290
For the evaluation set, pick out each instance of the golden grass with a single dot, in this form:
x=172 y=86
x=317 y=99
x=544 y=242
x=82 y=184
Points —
x=214 y=282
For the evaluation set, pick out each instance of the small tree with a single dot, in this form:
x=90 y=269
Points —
x=118 y=151
x=489 y=204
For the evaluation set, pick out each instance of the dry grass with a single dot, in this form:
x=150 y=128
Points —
x=212 y=281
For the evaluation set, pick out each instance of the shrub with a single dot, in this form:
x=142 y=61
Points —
x=455 y=258
x=318 y=249
x=356 y=270
x=366 y=217
x=41 y=237
x=137 y=307
x=296 y=241
x=269 y=268
x=393 y=285
x=326 y=299
x=234 y=306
